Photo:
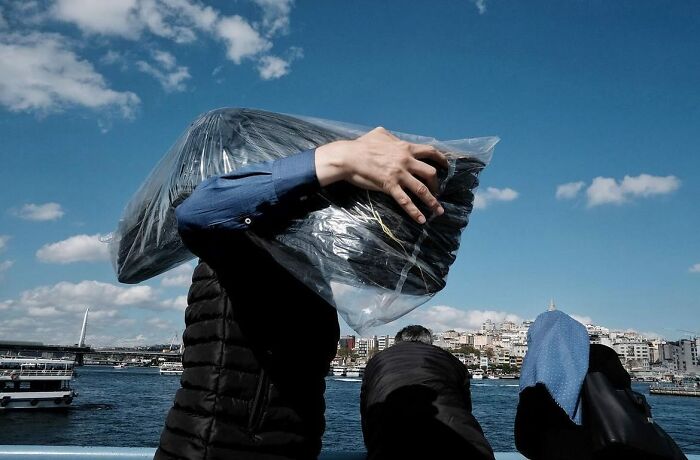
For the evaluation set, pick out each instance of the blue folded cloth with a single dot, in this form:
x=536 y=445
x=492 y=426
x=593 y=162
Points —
x=557 y=357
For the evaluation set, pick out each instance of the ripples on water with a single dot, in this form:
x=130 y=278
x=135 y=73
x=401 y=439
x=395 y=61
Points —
x=128 y=407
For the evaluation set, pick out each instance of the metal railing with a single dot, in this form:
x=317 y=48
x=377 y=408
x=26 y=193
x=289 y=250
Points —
x=36 y=373
x=144 y=453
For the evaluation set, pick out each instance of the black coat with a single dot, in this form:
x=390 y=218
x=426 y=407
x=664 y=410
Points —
x=415 y=403
x=258 y=345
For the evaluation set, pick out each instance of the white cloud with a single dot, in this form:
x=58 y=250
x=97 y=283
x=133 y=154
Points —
x=585 y=320
x=41 y=73
x=5 y=265
x=106 y=18
x=272 y=67
x=275 y=15
x=694 y=269
x=569 y=191
x=115 y=312
x=179 y=303
x=178 y=277
x=442 y=318
x=177 y=20
x=203 y=17
x=3 y=241
x=41 y=212
x=169 y=74
x=113 y=57
x=241 y=39
x=606 y=190
x=76 y=296
x=484 y=198
x=480 y=5
x=159 y=323
x=78 y=248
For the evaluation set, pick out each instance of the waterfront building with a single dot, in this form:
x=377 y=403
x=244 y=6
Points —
x=483 y=361
x=488 y=326
x=601 y=339
x=384 y=341
x=518 y=349
x=347 y=341
x=362 y=347
x=680 y=356
x=482 y=340
x=633 y=354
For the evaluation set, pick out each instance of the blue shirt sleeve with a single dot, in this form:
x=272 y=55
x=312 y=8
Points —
x=236 y=201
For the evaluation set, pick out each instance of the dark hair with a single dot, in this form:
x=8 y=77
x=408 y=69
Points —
x=414 y=333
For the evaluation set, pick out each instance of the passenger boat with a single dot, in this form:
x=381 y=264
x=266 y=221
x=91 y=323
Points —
x=35 y=383
x=477 y=374
x=355 y=371
x=171 y=368
x=339 y=371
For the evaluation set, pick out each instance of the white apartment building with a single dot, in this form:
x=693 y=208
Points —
x=384 y=341
x=630 y=352
x=482 y=340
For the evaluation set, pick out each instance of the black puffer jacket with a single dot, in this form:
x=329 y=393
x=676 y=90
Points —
x=415 y=404
x=257 y=349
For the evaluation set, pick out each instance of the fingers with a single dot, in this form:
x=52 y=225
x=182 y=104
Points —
x=405 y=202
x=422 y=192
x=426 y=172
x=428 y=152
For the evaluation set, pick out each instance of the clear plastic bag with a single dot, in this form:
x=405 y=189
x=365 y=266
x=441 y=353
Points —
x=358 y=250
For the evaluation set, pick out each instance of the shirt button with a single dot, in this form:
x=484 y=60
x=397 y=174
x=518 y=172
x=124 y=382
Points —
x=247 y=220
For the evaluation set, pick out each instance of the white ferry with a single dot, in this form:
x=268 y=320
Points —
x=171 y=368
x=355 y=371
x=35 y=383
x=339 y=371
x=477 y=374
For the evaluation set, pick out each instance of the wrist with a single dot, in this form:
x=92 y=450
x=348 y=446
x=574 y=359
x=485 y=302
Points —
x=331 y=162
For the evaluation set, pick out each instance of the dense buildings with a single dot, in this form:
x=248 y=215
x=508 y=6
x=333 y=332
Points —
x=502 y=347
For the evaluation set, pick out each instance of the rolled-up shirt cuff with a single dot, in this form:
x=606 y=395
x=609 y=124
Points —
x=294 y=177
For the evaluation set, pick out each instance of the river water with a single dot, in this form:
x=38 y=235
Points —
x=127 y=408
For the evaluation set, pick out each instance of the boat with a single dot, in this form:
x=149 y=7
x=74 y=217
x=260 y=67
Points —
x=477 y=374
x=339 y=371
x=35 y=383
x=171 y=368
x=492 y=377
x=120 y=366
x=355 y=371
x=675 y=389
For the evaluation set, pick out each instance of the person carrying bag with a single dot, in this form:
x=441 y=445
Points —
x=576 y=401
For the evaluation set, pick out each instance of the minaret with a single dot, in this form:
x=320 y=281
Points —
x=551 y=307
x=81 y=342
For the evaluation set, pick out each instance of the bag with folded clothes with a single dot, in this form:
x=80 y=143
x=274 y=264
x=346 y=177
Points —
x=357 y=249
x=619 y=419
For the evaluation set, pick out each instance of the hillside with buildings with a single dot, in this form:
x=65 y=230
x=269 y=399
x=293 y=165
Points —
x=499 y=349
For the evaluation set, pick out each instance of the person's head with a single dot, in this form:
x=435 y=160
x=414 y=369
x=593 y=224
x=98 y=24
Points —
x=414 y=333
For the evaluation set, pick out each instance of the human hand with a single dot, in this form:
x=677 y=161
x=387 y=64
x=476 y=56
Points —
x=380 y=161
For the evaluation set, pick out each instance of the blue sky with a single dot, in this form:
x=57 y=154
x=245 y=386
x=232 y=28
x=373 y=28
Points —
x=591 y=197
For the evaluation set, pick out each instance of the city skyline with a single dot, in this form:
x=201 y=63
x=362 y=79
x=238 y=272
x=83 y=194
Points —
x=590 y=198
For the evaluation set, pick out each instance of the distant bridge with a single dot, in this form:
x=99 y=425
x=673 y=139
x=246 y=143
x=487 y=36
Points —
x=81 y=352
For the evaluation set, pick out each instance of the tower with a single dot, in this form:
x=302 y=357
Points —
x=83 y=330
